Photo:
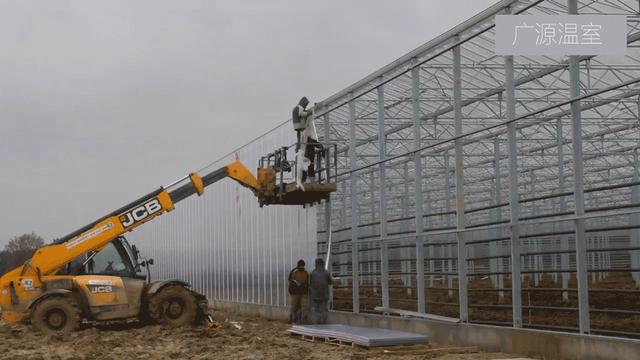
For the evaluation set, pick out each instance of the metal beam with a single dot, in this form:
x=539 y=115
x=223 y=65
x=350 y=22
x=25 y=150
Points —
x=384 y=247
x=516 y=281
x=635 y=218
x=564 y=240
x=417 y=159
x=326 y=121
x=459 y=173
x=578 y=188
x=355 y=265
x=496 y=247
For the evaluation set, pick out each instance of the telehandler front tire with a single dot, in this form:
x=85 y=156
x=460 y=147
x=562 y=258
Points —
x=56 y=315
x=173 y=305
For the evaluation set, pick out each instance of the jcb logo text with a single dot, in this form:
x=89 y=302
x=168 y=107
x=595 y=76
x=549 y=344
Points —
x=140 y=213
x=101 y=289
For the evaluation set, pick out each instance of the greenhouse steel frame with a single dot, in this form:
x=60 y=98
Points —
x=461 y=172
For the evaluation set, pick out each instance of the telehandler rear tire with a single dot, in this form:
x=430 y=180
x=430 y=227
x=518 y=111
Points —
x=56 y=315
x=173 y=305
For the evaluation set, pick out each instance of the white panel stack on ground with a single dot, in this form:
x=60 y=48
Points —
x=363 y=336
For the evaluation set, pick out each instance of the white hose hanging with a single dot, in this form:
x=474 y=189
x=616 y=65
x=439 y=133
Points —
x=328 y=261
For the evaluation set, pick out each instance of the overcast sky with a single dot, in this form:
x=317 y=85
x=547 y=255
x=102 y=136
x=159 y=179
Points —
x=104 y=101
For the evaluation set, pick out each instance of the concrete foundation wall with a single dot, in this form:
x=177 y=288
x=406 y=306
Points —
x=548 y=344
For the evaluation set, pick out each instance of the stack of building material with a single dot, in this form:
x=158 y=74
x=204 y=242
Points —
x=363 y=336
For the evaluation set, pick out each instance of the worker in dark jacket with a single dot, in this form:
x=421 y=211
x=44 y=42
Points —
x=319 y=286
x=299 y=117
x=298 y=293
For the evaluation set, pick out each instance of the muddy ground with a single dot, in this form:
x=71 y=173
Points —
x=238 y=337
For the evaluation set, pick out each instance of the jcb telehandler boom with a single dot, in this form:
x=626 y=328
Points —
x=92 y=273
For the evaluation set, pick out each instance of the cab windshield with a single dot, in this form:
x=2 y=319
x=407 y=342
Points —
x=111 y=260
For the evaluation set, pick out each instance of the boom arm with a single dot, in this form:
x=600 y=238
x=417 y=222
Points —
x=96 y=235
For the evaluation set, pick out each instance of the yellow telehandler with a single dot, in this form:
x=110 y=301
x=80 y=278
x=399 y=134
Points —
x=94 y=274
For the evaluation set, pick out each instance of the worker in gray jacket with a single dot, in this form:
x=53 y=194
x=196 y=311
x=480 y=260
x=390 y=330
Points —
x=319 y=283
x=299 y=117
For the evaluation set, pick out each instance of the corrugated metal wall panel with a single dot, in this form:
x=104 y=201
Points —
x=225 y=244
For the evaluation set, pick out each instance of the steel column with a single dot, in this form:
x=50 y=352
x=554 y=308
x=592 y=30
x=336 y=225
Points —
x=578 y=188
x=495 y=246
x=516 y=281
x=564 y=240
x=432 y=249
x=635 y=198
x=635 y=233
x=406 y=252
x=327 y=208
x=446 y=249
x=371 y=266
x=384 y=246
x=460 y=221
x=355 y=264
x=535 y=243
x=417 y=159
x=372 y=181
x=343 y=224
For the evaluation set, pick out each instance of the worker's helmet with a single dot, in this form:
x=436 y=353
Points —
x=304 y=101
x=301 y=263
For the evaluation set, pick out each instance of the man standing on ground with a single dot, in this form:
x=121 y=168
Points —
x=298 y=293
x=319 y=284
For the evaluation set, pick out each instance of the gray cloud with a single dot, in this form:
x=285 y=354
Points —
x=102 y=101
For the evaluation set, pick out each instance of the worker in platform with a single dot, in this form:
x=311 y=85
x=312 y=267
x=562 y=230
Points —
x=319 y=293
x=299 y=117
x=299 y=294
x=305 y=134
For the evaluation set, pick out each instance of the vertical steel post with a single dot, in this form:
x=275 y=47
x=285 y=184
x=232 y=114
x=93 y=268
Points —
x=635 y=233
x=343 y=246
x=459 y=165
x=327 y=206
x=371 y=266
x=446 y=249
x=355 y=264
x=406 y=252
x=431 y=249
x=427 y=194
x=372 y=181
x=417 y=160
x=635 y=198
x=447 y=265
x=578 y=188
x=516 y=281
x=495 y=264
x=535 y=243
x=564 y=240
x=343 y=209
x=384 y=246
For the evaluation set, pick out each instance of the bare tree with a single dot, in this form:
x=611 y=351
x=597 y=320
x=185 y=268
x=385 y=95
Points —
x=19 y=249
x=3 y=262
x=24 y=242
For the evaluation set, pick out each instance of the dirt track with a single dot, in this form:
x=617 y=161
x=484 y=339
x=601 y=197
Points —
x=238 y=338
